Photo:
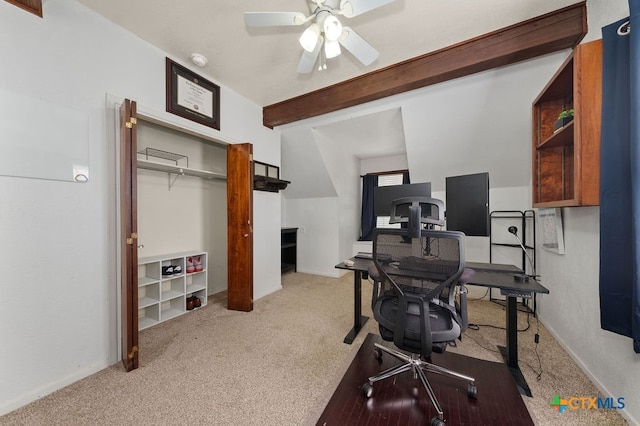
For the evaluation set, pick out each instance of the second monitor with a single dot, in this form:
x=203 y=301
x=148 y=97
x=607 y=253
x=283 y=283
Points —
x=383 y=196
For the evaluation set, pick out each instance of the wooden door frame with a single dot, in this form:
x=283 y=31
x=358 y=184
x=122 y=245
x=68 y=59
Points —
x=242 y=288
x=128 y=236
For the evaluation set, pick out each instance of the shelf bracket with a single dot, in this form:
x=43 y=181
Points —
x=171 y=182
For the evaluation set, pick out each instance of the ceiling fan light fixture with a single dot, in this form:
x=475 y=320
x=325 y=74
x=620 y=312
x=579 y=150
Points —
x=332 y=28
x=331 y=49
x=309 y=37
x=325 y=36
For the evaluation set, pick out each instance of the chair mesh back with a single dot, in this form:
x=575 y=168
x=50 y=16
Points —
x=424 y=265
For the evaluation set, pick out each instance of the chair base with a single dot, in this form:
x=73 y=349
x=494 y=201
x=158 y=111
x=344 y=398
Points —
x=418 y=367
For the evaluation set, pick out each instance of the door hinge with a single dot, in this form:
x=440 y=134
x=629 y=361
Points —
x=134 y=236
x=129 y=124
x=133 y=352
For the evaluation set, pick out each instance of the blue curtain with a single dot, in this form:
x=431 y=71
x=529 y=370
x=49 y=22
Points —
x=620 y=179
x=368 y=218
x=405 y=178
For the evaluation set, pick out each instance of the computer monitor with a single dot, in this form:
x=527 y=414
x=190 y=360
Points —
x=383 y=196
x=467 y=199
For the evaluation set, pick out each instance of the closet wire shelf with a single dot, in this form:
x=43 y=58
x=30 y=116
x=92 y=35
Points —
x=176 y=168
x=165 y=155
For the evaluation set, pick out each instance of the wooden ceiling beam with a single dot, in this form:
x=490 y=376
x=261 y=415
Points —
x=33 y=6
x=545 y=34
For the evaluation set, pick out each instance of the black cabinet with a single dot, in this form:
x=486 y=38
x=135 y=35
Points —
x=288 y=248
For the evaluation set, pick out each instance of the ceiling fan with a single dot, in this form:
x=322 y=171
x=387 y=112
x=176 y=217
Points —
x=325 y=30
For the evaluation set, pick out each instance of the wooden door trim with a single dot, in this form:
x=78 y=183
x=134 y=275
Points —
x=128 y=236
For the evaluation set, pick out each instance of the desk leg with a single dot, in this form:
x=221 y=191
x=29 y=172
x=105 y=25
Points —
x=358 y=319
x=512 y=332
x=510 y=353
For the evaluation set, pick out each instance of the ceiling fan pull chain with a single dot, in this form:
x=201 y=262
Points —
x=322 y=63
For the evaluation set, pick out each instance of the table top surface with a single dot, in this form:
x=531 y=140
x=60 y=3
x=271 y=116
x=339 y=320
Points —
x=493 y=275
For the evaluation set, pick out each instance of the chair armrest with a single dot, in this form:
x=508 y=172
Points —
x=467 y=275
x=373 y=272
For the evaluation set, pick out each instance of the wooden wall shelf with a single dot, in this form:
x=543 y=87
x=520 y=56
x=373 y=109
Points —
x=566 y=164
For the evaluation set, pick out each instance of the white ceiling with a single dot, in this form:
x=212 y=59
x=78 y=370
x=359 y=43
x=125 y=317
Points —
x=260 y=63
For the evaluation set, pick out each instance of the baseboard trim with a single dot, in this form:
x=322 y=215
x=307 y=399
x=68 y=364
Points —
x=601 y=387
x=34 y=395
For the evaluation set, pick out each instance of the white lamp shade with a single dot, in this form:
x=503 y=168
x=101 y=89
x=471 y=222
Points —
x=309 y=37
x=331 y=49
x=332 y=28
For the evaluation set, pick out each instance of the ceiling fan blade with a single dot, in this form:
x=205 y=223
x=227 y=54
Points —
x=308 y=59
x=273 y=19
x=351 y=8
x=358 y=47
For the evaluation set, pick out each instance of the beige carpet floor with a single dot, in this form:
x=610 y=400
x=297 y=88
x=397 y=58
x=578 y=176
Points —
x=279 y=365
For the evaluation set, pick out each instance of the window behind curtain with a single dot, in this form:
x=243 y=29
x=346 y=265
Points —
x=388 y=180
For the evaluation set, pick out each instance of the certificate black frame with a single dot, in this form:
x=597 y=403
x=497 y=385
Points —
x=173 y=71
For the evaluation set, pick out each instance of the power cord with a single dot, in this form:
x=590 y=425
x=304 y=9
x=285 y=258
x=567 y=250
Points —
x=536 y=339
x=479 y=298
x=527 y=310
x=478 y=343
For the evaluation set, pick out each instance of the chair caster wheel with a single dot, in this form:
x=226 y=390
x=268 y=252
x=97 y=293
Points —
x=367 y=390
x=377 y=353
x=437 y=421
x=472 y=391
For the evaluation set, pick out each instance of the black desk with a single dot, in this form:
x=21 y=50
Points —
x=489 y=275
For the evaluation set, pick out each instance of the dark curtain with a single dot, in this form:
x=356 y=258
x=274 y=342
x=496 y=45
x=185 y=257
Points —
x=405 y=181
x=405 y=178
x=620 y=179
x=368 y=219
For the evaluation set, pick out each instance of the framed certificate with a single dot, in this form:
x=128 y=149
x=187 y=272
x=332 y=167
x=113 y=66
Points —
x=191 y=96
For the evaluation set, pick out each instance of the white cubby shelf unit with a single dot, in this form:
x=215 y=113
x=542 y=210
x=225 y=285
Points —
x=161 y=298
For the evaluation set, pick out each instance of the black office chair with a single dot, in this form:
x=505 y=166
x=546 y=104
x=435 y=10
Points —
x=414 y=302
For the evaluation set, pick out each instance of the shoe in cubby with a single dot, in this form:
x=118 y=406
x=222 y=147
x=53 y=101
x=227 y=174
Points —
x=193 y=302
x=191 y=268
x=197 y=263
x=190 y=303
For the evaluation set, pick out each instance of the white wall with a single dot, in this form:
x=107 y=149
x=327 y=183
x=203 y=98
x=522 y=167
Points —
x=58 y=310
x=344 y=172
x=384 y=164
x=318 y=233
